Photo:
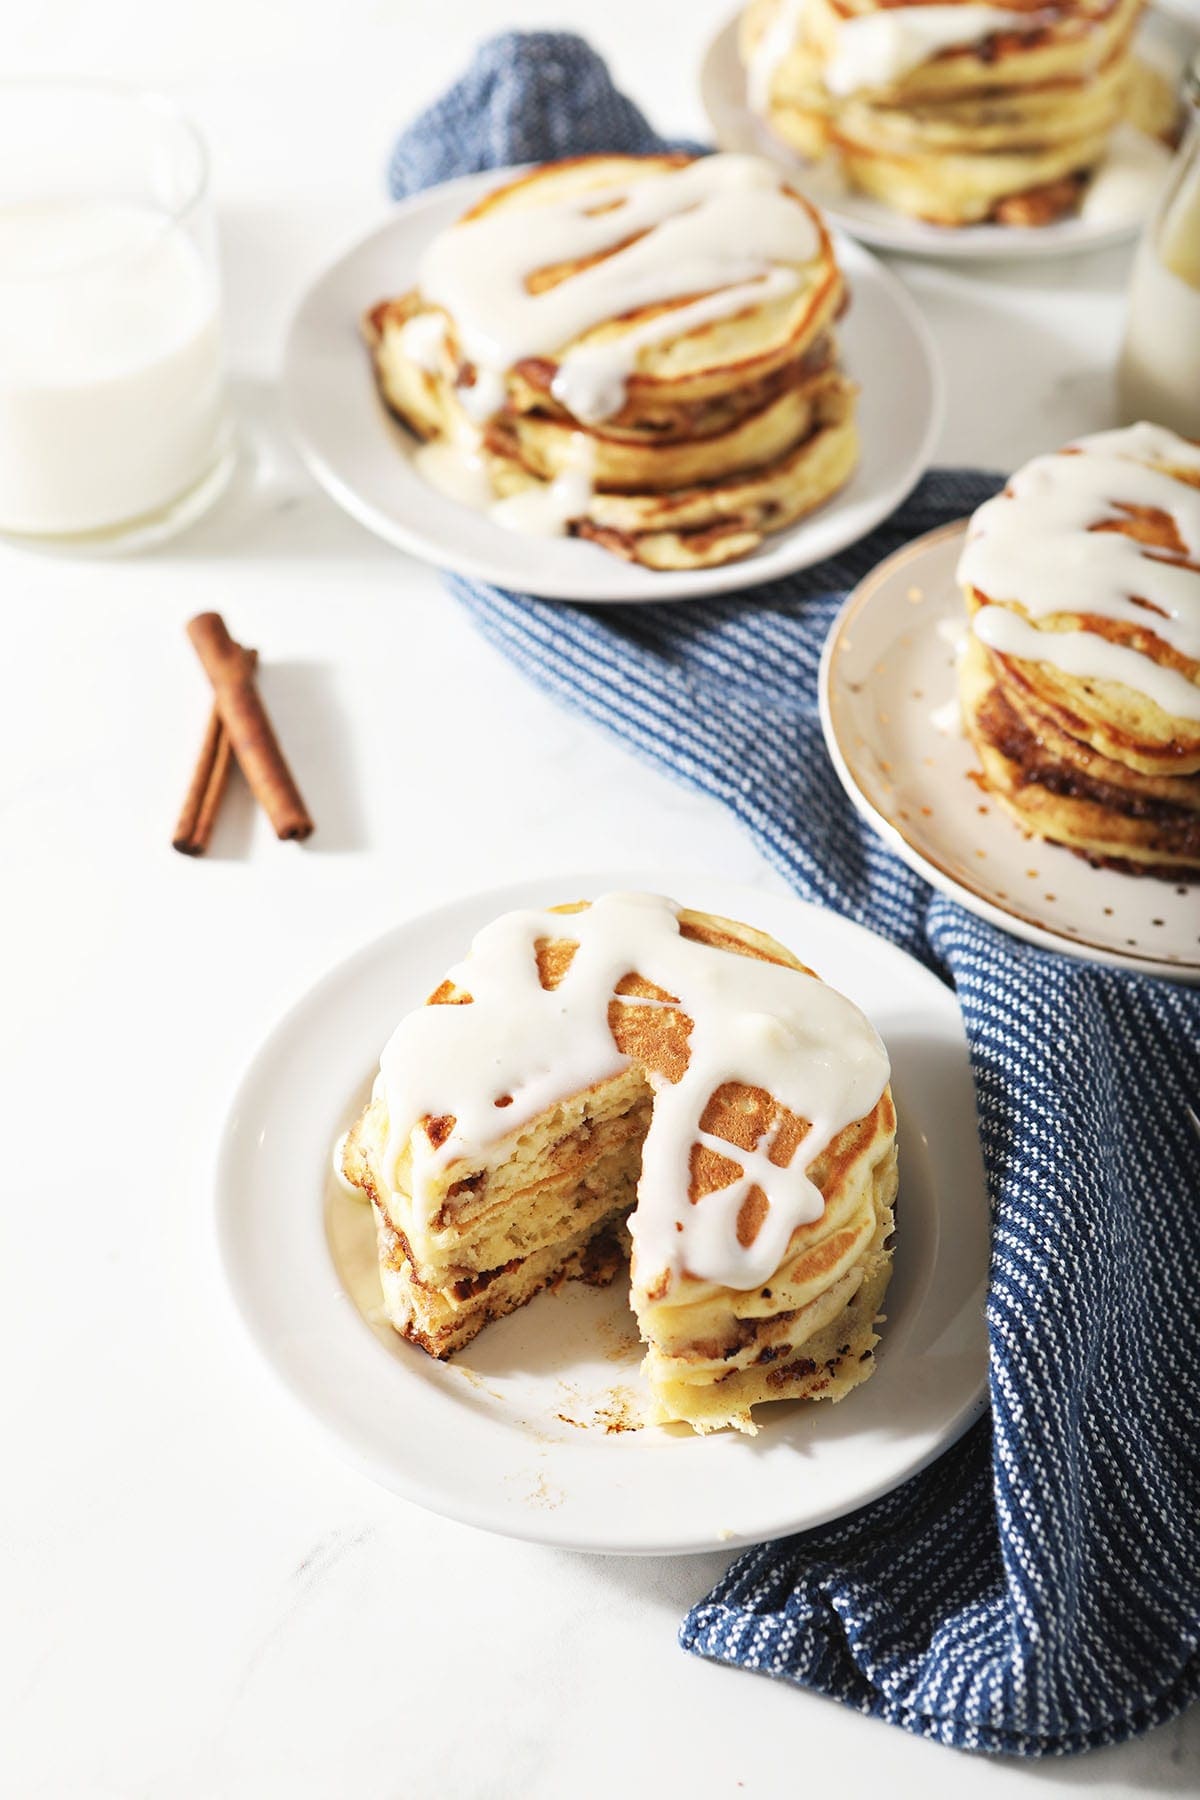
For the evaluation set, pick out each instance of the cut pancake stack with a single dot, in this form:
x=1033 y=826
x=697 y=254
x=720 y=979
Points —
x=1080 y=683
x=957 y=112
x=639 y=350
x=666 y=1076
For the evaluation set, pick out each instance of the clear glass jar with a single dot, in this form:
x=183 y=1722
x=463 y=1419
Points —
x=113 y=417
x=1158 y=377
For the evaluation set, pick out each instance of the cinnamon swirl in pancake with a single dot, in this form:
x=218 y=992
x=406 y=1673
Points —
x=957 y=112
x=628 y=1072
x=1080 y=685
x=638 y=350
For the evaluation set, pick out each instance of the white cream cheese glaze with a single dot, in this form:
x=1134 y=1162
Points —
x=1089 y=656
x=873 y=50
x=423 y=340
x=1129 y=180
x=1035 y=546
x=709 y=228
x=590 y=380
x=458 y=469
x=768 y=53
x=756 y=1022
x=548 y=509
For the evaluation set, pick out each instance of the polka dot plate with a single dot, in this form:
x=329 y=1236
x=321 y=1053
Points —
x=891 y=723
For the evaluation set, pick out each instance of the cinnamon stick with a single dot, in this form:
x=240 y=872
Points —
x=193 y=833
x=252 y=740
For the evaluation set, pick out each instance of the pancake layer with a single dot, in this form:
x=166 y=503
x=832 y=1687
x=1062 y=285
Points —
x=955 y=113
x=1080 y=684
x=661 y=372
x=761 y=1235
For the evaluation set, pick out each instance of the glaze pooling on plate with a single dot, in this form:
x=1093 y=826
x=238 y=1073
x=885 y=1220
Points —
x=497 y=1062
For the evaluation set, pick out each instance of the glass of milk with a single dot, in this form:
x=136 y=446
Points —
x=113 y=419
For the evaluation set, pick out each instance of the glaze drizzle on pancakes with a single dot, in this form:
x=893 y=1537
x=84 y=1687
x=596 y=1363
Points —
x=872 y=50
x=1056 y=543
x=719 y=228
x=962 y=113
x=639 y=350
x=517 y=1047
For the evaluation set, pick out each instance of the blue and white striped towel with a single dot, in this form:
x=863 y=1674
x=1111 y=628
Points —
x=1037 y=1591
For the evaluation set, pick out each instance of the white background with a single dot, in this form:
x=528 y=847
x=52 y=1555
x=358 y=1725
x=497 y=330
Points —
x=197 y=1600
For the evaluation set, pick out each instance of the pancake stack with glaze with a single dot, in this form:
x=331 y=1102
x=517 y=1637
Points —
x=627 y=1071
x=958 y=112
x=1080 y=683
x=638 y=350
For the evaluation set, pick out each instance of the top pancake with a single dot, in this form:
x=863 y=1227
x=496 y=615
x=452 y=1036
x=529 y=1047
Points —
x=676 y=370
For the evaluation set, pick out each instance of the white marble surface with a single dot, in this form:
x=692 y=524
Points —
x=198 y=1600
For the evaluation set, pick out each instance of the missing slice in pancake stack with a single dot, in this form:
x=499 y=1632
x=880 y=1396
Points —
x=1080 y=683
x=638 y=350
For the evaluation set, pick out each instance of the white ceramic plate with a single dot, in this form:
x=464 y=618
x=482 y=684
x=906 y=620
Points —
x=1185 y=12
x=526 y=1432
x=736 y=127
x=888 y=689
x=364 y=459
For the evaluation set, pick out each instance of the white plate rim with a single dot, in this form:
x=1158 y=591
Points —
x=1015 y=923
x=784 y=552
x=903 y=236
x=971 y=1397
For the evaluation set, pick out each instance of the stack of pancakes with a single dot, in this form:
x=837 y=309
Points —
x=726 y=430
x=550 y=1199
x=954 y=122
x=1082 y=758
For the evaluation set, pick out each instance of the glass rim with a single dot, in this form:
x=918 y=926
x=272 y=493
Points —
x=152 y=103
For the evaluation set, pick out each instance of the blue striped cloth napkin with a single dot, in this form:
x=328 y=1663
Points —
x=1037 y=1591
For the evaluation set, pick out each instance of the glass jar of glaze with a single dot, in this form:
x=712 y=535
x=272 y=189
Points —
x=1158 y=377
